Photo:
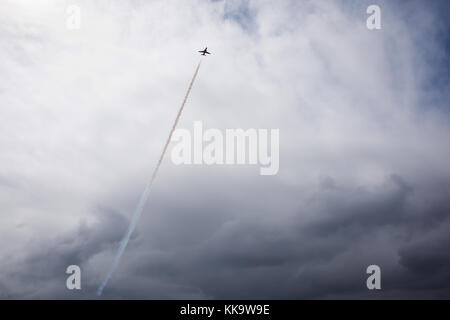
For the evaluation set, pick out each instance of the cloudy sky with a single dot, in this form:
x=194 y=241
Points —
x=364 y=126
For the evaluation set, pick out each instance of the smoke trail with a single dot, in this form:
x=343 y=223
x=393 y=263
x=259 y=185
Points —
x=137 y=213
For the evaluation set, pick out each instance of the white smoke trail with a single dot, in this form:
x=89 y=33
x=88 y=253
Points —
x=137 y=213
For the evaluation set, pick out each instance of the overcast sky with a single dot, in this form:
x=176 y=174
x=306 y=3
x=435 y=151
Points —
x=364 y=126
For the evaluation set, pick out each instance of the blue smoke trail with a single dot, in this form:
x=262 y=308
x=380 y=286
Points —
x=138 y=211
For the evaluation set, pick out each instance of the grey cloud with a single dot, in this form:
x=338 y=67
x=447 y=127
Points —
x=44 y=268
x=244 y=258
x=364 y=176
x=239 y=257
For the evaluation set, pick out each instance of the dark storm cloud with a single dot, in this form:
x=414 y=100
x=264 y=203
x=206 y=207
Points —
x=239 y=257
x=190 y=252
x=41 y=273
